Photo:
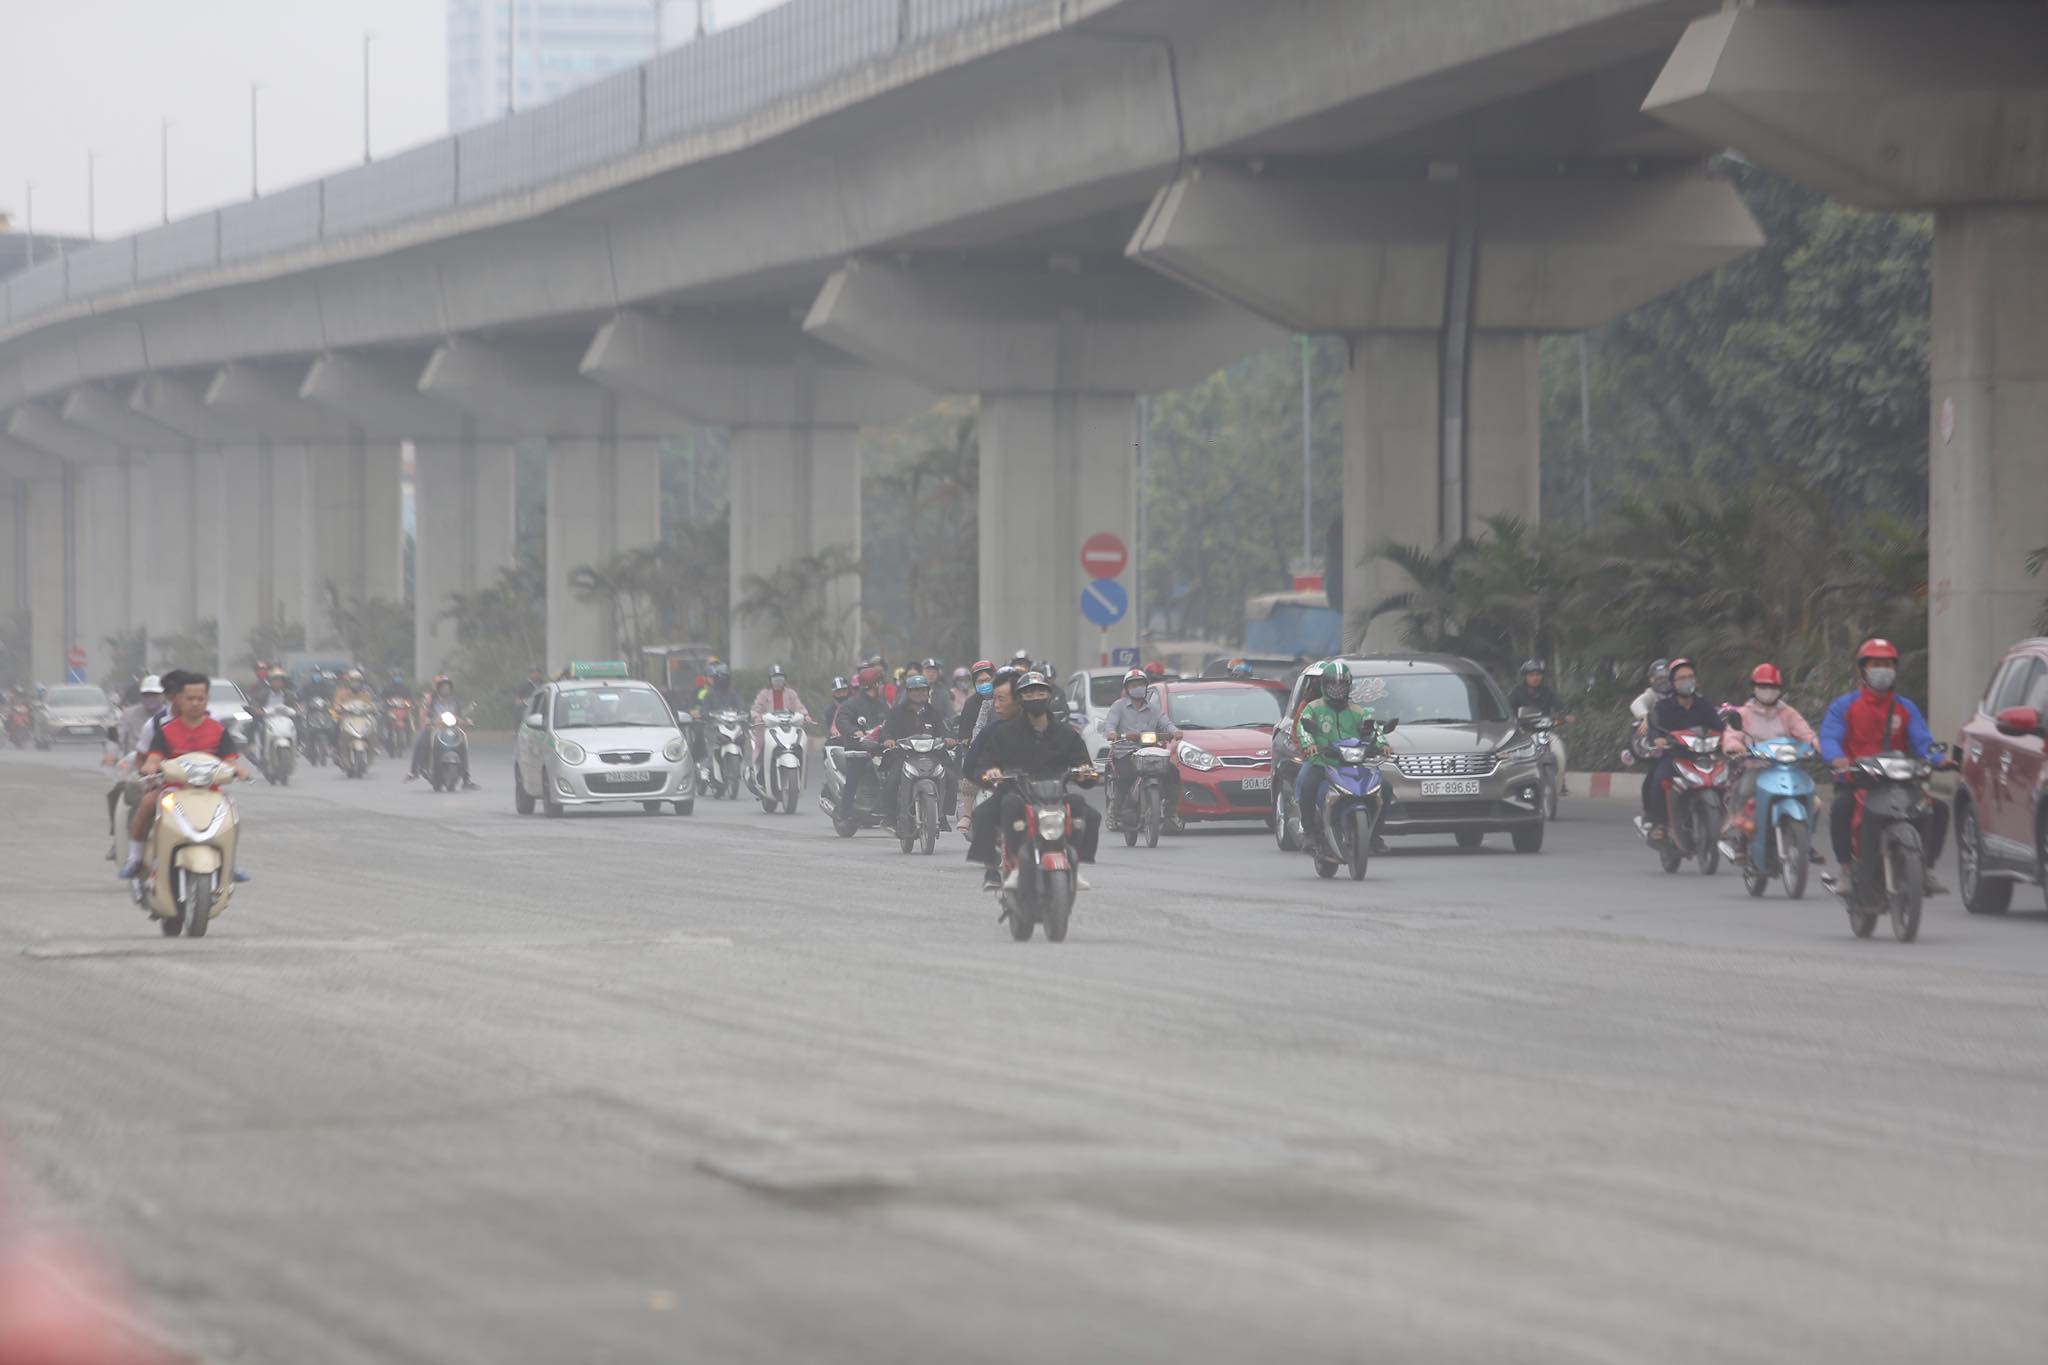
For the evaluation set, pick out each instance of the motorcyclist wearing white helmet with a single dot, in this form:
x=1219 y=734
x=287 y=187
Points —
x=125 y=739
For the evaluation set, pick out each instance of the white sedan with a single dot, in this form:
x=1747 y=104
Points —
x=586 y=742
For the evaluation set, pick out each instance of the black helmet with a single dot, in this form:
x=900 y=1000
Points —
x=1533 y=666
x=1034 y=705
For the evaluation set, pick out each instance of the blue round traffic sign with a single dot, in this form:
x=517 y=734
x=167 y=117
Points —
x=1104 y=602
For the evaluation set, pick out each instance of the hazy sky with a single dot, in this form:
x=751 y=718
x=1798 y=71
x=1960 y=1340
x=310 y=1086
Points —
x=100 y=76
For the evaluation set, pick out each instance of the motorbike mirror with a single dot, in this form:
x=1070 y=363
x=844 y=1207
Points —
x=1387 y=727
x=2020 y=721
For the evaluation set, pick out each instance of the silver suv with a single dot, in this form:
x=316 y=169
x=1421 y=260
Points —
x=1462 y=767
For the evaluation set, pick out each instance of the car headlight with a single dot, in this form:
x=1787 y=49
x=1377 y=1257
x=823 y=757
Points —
x=1201 y=760
x=569 y=751
x=673 y=750
x=1516 y=752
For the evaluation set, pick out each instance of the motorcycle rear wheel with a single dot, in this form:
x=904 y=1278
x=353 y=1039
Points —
x=1754 y=882
x=1860 y=924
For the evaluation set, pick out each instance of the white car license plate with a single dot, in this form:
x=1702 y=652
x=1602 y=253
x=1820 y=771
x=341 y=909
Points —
x=1259 y=784
x=626 y=778
x=1450 y=786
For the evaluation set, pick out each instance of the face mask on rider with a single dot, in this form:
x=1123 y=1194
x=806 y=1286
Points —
x=1881 y=679
x=1686 y=686
x=987 y=689
x=1037 y=706
x=1135 y=693
x=1340 y=700
x=1768 y=696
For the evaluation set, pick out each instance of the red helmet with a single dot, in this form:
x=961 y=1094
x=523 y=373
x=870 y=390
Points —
x=982 y=666
x=1766 y=675
x=1156 y=669
x=1876 y=649
x=1677 y=664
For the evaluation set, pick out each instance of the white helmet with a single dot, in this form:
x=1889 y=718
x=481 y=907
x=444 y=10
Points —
x=152 y=683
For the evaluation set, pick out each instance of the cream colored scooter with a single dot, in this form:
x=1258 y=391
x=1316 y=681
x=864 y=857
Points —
x=188 y=865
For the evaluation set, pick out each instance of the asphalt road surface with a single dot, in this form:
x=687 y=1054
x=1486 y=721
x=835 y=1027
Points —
x=451 y=1085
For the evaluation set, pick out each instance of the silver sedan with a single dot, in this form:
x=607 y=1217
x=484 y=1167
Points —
x=600 y=743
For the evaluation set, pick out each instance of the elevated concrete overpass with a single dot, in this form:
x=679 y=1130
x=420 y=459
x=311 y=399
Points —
x=823 y=218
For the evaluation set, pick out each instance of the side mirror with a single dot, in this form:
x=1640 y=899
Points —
x=2019 y=721
x=1388 y=727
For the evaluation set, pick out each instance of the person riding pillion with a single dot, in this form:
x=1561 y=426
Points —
x=1687 y=708
x=1035 y=746
x=1323 y=726
x=1130 y=718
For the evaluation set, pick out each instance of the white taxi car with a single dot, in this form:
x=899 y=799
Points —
x=601 y=742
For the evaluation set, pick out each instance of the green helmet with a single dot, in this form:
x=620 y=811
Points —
x=1336 y=676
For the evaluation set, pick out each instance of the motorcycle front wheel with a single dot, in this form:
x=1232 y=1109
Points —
x=1361 y=843
x=1706 y=826
x=198 y=906
x=928 y=819
x=1795 y=852
x=789 y=795
x=1155 y=814
x=1905 y=880
x=1058 y=889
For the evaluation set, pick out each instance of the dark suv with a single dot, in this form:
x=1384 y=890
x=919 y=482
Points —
x=1462 y=767
x=2002 y=803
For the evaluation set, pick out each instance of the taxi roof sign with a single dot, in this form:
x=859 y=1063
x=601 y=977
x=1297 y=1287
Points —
x=604 y=668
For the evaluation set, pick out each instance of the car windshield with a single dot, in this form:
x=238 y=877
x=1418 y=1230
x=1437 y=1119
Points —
x=1428 y=698
x=84 y=698
x=223 y=693
x=590 y=708
x=1222 y=708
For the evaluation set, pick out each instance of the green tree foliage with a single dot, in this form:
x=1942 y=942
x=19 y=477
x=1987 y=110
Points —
x=376 y=632
x=1223 y=488
x=921 y=508
x=657 y=593
x=274 y=637
x=1801 y=364
x=197 y=648
x=500 y=632
x=794 y=603
x=127 y=653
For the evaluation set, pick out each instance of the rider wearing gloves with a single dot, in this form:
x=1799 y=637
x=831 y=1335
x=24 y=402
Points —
x=1876 y=720
x=1684 y=709
x=859 y=716
x=1324 y=724
x=1131 y=716
x=1035 y=746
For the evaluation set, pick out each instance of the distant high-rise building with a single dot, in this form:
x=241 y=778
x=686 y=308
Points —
x=545 y=48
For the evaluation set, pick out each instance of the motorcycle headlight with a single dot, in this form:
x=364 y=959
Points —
x=1515 y=753
x=673 y=751
x=447 y=717
x=1201 y=760
x=1052 y=820
x=569 y=751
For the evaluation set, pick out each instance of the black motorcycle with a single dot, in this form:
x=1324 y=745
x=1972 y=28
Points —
x=921 y=782
x=1043 y=862
x=1888 y=863
x=865 y=810
x=316 y=736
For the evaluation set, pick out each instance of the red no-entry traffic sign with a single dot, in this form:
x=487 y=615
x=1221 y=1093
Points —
x=1104 y=556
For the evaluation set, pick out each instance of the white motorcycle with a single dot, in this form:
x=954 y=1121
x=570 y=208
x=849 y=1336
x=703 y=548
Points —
x=280 y=744
x=777 y=775
x=725 y=746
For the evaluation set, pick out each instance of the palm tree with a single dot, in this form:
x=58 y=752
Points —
x=795 y=603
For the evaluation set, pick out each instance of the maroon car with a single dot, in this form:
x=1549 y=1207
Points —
x=2002 y=803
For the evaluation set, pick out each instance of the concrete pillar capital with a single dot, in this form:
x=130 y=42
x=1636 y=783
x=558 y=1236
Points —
x=19 y=460
x=178 y=403
x=262 y=398
x=1334 y=255
x=535 y=389
x=379 y=392
x=93 y=408
x=958 y=329
x=1887 y=106
x=745 y=372
x=36 y=426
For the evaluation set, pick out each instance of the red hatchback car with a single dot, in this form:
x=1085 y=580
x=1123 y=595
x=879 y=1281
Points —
x=2002 y=804
x=1225 y=754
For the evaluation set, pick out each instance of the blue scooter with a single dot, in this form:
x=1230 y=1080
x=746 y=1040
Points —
x=1782 y=845
x=1352 y=801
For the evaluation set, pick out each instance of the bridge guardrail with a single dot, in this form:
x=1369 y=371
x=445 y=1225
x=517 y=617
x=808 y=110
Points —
x=726 y=75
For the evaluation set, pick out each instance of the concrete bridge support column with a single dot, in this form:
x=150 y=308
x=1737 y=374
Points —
x=1056 y=469
x=105 y=553
x=13 y=545
x=174 y=603
x=141 y=573
x=1394 y=480
x=1058 y=354
x=604 y=497
x=1436 y=282
x=354 y=528
x=795 y=493
x=49 y=575
x=248 y=582
x=463 y=505
x=1923 y=106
